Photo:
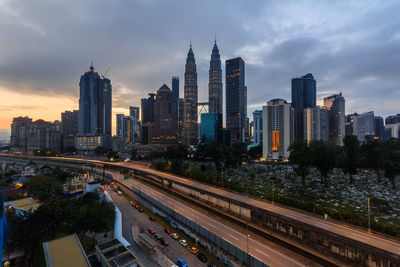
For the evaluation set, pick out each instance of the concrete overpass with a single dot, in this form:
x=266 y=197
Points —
x=334 y=242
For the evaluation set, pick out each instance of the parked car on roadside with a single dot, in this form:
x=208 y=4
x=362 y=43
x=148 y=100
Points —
x=193 y=250
x=141 y=210
x=166 y=229
x=202 y=257
x=174 y=236
x=164 y=241
x=157 y=236
x=183 y=242
x=152 y=218
x=151 y=231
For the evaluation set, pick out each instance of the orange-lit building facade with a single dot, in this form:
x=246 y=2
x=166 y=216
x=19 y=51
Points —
x=278 y=129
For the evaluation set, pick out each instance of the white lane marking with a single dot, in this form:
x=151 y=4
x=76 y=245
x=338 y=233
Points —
x=212 y=225
x=234 y=237
x=262 y=252
x=154 y=193
x=298 y=263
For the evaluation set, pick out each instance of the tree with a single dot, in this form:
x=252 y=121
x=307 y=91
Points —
x=44 y=186
x=300 y=156
x=323 y=157
x=178 y=151
x=392 y=160
x=373 y=155
x=255 y=152
x=351 y=155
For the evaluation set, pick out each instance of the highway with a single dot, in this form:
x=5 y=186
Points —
x=258 y=250
x=343 y=230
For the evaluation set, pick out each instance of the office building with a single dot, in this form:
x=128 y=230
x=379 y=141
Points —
x=392 y=119
x=95 y=107
x=211 y=127
x=363 y=125
x=236 y=101
x=165 y=126
x=349 y=123
x=135 y=130
x=215 y=82
x=181 y=120
x=258 y=127
x=124 y=128
x=303 y=96
x=379 y=127
x=316 y=124
x=335 y=105
x=148 y=108
x=190 y=98
x=278 y=129
x=69 y=128
x=392 y=131
x=175 y=88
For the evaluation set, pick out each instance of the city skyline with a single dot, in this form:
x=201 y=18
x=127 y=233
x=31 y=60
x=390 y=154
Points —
x=344 y=51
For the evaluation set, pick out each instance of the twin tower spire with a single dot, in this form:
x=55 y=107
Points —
x=191 y=92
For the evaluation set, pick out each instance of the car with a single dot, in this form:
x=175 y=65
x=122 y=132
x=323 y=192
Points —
x=157 y=236
x=141 y=210
x=151 y=231
x=131 y=202
x=166 y=229
x=151 y=218
x=194 y=250
x=164 y=241
x=212 y=265
x=202 y=257
x=119 y=193
x=183 y=242
x=136 y=206
x=181 y=263
x=174 y=236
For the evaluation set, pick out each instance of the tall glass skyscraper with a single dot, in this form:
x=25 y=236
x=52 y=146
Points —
x=94 y=104
x=303 y=96
x=175 y=88
x=236 y=100
x=190 y=98
x=336 y=110
x=215 y=82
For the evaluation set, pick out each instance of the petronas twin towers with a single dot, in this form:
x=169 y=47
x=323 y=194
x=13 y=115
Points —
x=191 y=92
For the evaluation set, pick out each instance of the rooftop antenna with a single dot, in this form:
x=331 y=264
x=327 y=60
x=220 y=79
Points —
x=91 y=66
x=215 y=38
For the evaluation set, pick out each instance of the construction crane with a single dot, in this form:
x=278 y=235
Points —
x=105 y=74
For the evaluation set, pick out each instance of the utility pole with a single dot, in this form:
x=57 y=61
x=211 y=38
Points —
x=273 y=192
x=369 y=215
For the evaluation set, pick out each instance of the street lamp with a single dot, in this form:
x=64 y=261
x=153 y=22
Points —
x=248 y=255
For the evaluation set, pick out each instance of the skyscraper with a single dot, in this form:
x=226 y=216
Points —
x=190 y=98
x=278 y=129
x=175 y=88
x=236 y=101
x=95 y=108
x=336 y=110
x=135 y=130
x=69 y=128
x=165 y=126
x=258 y=127
x=211 y=127
x=363 y=125
x=148 y=108
x=303 y=96
x=316 y=124
x=215 y=82
x=379 y=126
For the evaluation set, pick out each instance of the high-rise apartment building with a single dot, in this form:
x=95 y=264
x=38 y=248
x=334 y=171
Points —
x=165 y=126
x=215 y=82
x=392 y=119
x=236 y=100
x=190 y=98
x=316 y=124
x=148 y=108
x=95 y=107
x=363 y=125
x=69 y=128
x=278 y=129
x=335 y=105
x=303 y=96
x=258 y=127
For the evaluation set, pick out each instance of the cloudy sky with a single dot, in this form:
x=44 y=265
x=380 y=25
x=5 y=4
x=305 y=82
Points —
x=349 y=46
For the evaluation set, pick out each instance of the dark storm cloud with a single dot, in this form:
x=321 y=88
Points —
x=351 y=47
